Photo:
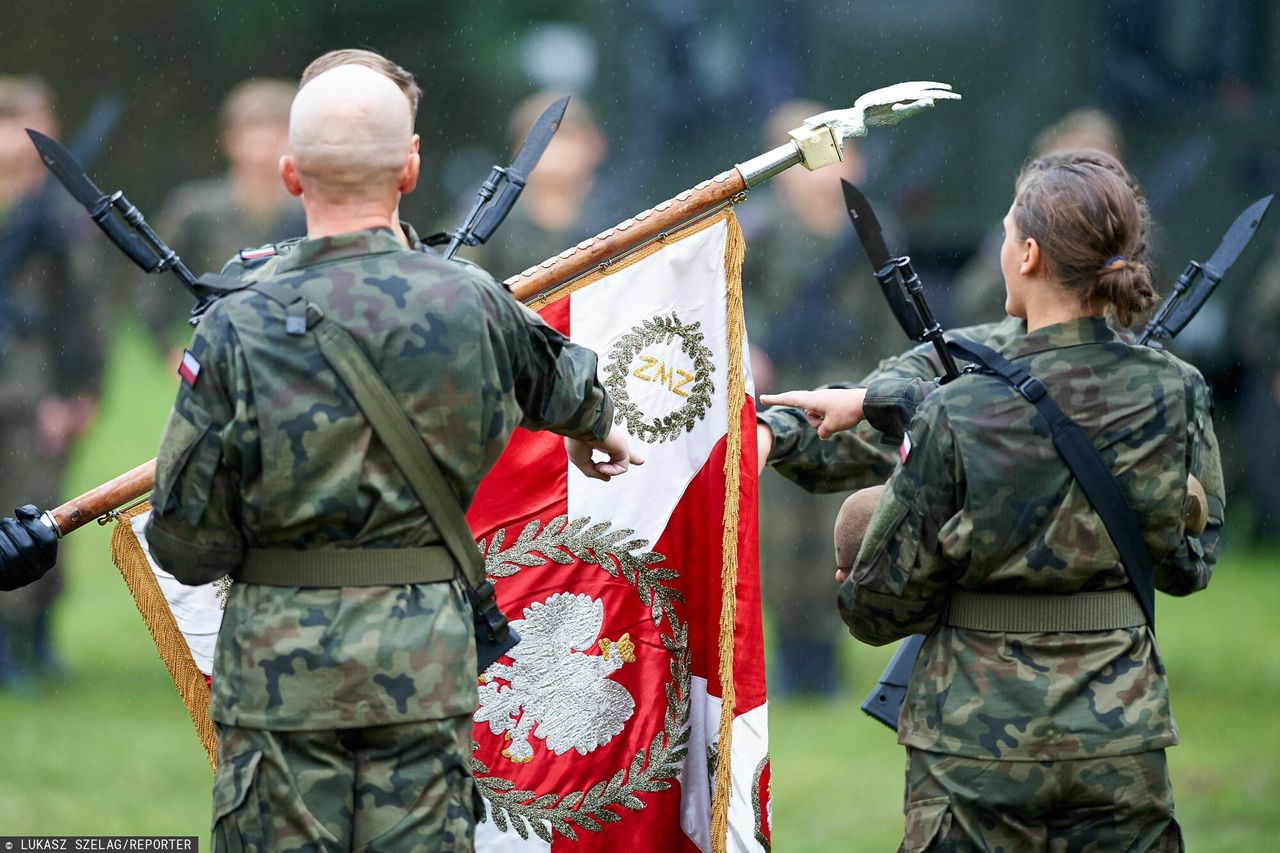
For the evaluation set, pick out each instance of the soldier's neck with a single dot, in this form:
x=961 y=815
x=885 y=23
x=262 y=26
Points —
x=328 y=220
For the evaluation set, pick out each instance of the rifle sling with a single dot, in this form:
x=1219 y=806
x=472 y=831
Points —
x=393 y=428
x=1087 y=465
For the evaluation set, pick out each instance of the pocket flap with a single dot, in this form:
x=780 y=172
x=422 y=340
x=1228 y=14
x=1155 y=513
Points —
x=232 y=781
x=927 y=821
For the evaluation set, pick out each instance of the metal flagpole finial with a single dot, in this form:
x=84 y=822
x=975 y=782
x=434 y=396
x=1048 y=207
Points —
x=882 y=108
x=820 y=141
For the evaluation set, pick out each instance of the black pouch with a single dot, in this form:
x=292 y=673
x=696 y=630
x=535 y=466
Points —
x=494 y=634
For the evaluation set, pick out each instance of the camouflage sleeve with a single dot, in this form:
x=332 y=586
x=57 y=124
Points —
x=194 y=531
x=555 y=379
x=1189 y=568
x=855 y=458
x=901 y=580
x=891 y=402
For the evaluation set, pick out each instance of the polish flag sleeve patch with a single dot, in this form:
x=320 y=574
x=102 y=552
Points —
x=189 y=368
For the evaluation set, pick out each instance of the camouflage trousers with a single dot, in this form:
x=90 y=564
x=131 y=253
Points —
x=1123 y=802
x=398 y=787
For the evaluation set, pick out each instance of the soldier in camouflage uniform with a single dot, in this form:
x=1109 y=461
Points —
x=1034 y=740
x=51 y=351
x=344 y=712
x=207 y=220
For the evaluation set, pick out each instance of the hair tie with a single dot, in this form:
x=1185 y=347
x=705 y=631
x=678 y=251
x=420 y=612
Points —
x=1111 y=260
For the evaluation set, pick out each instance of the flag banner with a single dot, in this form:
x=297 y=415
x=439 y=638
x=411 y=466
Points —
x=634 y=705
x=610 y=721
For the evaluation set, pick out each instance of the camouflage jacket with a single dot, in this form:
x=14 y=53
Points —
x=857 y=458
x=984 y=502
x=266 y=449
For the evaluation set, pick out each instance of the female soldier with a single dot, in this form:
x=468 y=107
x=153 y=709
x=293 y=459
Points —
x=1034 y=738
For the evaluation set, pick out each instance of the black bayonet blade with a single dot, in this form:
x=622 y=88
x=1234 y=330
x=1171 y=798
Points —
x=1238 y=236
x=865 y=223
x=65 y=168
x=539 y=138
x=868 y=228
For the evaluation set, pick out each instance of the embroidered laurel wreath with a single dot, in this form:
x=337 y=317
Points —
x=565 y=542
x=660 y=330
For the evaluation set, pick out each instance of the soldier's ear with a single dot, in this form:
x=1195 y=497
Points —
x=1029 y=263
x=412 y=168
x=289 y=174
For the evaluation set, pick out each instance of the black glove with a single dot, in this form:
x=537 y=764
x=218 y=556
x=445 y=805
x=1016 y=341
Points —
x=28 y=548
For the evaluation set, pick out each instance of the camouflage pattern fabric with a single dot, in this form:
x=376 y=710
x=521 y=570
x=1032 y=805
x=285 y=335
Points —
x=857 y=458
x=266 y=449
x=983 y=502
x=204 y=223
x=1092 y=805
x=404 y=788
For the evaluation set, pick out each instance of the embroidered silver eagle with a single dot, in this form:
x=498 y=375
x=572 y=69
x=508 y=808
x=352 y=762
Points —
x=554 y=689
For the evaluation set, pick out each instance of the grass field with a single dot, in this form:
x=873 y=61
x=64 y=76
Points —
x=109 y=749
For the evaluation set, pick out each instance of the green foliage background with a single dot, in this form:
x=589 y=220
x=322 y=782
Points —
x=109 y=749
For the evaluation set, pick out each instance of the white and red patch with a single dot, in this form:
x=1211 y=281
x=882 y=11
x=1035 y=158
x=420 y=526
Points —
x=189 y=368
x=904 y=449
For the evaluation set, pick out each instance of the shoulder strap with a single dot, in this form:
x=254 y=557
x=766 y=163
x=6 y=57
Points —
x=1087 y=465
x=389 y=421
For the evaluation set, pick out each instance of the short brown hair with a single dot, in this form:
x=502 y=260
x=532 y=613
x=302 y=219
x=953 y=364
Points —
x=258 y=99
x=1092 y=224
x=369 y=59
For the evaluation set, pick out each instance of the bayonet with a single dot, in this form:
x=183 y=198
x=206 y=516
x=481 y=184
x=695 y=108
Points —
x=500 y=190
x=1198 y=280
x=898 y=280
x=118 y=218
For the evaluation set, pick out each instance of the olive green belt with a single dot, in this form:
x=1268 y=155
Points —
x=347 y=566
x=1034 y=614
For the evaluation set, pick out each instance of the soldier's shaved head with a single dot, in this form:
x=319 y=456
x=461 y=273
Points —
x=351 y=136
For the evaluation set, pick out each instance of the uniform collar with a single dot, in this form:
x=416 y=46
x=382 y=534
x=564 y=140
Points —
x=309 y=253
x=1083 y=330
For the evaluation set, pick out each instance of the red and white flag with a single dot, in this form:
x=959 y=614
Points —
x=606 y=727
x=632 y=714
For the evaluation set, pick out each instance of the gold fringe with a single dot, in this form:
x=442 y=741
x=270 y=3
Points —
x=735 y=248
x=127 y=554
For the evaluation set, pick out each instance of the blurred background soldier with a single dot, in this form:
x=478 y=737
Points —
x=209 y=220
x=813 y=309
x=557 y=208
x=50 y=351
x=1260 y=404
x=978 y=290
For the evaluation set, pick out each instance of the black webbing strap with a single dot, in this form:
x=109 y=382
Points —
x=1086 y=463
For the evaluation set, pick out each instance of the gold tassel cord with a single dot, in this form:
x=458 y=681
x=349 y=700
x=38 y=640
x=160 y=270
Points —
x=127 y=554
x=735 y=248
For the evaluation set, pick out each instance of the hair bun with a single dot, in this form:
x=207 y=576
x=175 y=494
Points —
x=1127 y=286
